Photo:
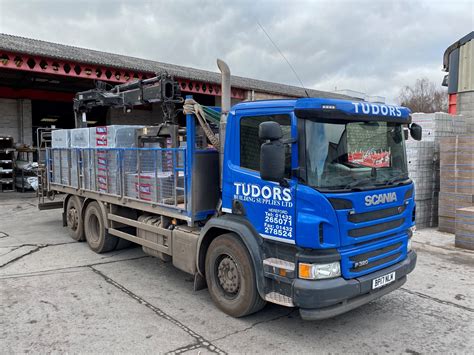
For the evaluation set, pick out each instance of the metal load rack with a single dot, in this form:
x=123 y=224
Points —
x=154 y=175
x=181 y=183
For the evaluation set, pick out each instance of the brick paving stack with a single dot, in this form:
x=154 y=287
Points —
x=106 y=161
x=423 y=162
x=457 y=179
x=61 y=138
x=464 y=228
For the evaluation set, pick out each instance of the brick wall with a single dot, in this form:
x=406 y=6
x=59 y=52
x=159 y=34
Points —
x=13 y=115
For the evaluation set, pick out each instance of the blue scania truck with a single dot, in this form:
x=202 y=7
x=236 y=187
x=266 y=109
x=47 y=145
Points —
x=304 y=203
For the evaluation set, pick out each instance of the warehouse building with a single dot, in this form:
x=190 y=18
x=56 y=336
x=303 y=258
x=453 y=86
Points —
x=39 y=79
x=458 y=61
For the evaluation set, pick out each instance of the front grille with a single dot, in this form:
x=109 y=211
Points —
x=373 y=253
x=376 y=263
x=376 y=228
x=370 y=216
x=373 y=257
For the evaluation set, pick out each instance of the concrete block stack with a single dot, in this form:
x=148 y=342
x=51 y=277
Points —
x=439 y=124
x=106 y=161
x=79 y=139
x=465 y=105
x=156 y=187
x=457 y=179
x=61 y=138
x=424 y=163
x=464 y=228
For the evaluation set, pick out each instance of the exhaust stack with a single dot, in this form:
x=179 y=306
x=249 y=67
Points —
x=225 y=105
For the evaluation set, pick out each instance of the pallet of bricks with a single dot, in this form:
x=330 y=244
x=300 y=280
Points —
x=150 y=176
x=456 y=200
x=423 y=162
x=104 y=176
x=61 y=138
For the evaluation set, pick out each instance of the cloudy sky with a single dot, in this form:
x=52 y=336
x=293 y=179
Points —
x=371 y=46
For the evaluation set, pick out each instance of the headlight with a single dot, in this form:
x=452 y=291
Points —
x=319 y=271
x=409 y=245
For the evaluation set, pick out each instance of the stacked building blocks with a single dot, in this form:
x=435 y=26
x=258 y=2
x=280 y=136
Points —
x=424 y=164
x=457 y=179
x=464 y=228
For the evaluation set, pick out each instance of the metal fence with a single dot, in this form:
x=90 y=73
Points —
x=155 y=175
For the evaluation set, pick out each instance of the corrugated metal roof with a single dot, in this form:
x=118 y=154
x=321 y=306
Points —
x=88 y=56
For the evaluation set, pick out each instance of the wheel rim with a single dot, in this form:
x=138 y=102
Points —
x=72 y=218
x=228 y=275
x=94 y=228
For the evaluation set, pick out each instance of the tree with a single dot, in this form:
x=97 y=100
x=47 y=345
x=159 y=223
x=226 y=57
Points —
x=424 y=96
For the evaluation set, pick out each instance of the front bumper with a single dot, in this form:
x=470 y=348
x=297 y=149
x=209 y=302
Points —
x=328 y=298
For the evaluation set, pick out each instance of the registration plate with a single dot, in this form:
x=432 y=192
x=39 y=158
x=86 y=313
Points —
x=383 y=280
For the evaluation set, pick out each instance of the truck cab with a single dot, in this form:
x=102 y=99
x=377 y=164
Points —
x=320 y=188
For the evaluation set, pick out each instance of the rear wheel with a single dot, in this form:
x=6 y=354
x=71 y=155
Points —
x=74 y=220
x=96 y=235
x=231 y=277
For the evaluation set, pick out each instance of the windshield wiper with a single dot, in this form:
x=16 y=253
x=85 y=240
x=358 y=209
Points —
x=353 y=184
x=396 y=178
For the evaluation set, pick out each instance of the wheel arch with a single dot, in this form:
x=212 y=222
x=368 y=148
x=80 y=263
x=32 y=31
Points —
x=241 y=227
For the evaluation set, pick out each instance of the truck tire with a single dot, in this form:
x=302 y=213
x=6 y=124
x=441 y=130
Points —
x=96 y=234
x=75 y=224
x=231 y=277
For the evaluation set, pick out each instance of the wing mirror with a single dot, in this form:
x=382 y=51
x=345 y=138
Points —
x=416 y=131
x=272 y=152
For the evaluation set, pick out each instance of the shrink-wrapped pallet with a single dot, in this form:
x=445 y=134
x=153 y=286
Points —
x=106 y=160
x=79 y=139
x=448 y=204
x=61 y=139
x=422 y=163
x=114 y=136
x=456 y=178
x=439 y=124
x=156 y=187
x=464 y=228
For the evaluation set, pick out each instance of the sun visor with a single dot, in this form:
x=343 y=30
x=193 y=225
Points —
x=344 y=110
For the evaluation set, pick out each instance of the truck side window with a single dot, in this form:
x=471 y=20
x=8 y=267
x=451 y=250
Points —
x=250 y=143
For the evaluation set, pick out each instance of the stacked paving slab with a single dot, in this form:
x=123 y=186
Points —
x=422 y=168
x=61 y=138
x=424 y=163
x=464 y=228
x=457 y=179
x=100 y=166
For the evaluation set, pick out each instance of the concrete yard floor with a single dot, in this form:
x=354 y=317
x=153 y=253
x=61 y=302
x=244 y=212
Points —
x=56 y=295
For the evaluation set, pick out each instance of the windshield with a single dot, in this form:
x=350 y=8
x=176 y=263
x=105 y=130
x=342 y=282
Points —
x=350 y=155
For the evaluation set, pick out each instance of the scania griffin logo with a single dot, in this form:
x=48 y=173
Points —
x=374 y=200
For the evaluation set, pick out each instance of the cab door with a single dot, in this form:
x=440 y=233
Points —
x=269 y=207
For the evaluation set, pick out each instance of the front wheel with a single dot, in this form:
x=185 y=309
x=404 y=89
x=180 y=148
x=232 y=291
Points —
x=231 y=277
